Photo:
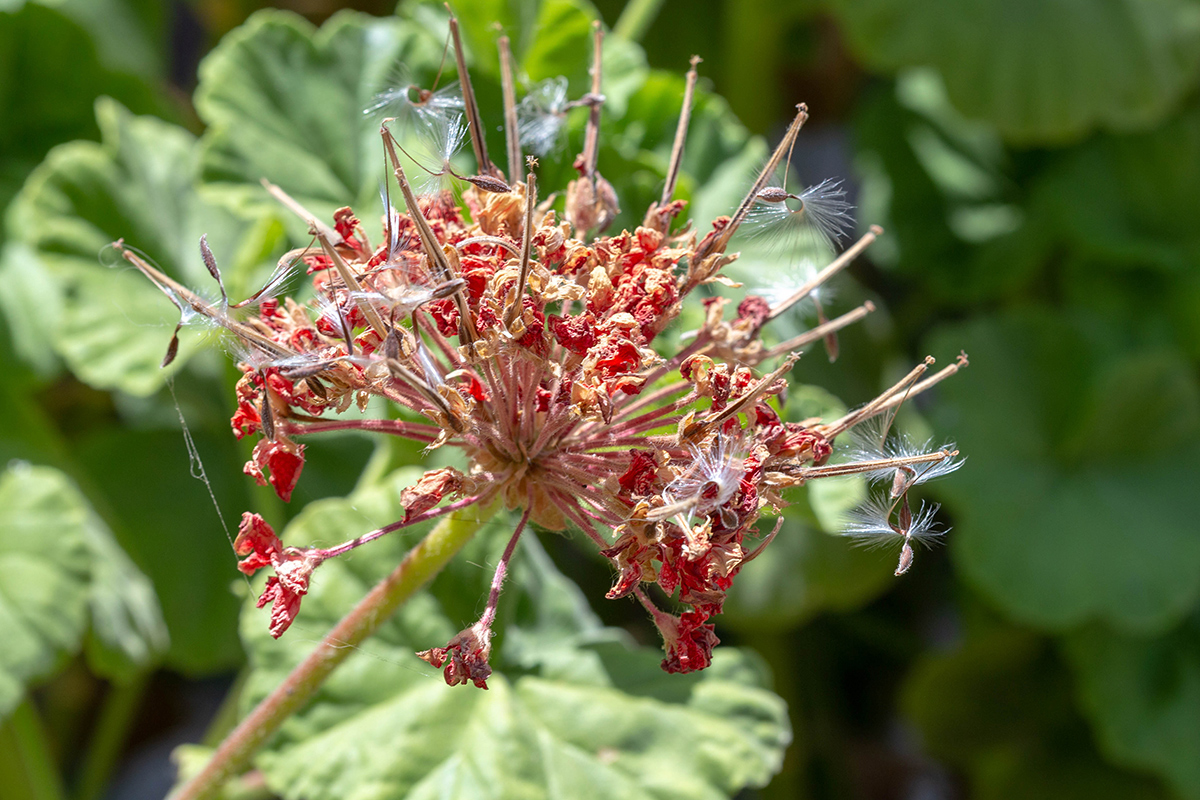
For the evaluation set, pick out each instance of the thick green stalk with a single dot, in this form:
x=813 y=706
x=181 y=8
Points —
x=421 y=564
x=27 y=767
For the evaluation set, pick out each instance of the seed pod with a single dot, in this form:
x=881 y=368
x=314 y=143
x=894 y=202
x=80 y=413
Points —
x=391 y=346
x=266 y=415
x=317 y=388
x=489 y=183
x=172 y=348
x=210 y=262
x=773 y=194
x=447 y=288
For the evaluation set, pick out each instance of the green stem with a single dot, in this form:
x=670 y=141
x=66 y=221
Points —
x=226 y=718
x=421 y=564
x=108 y=739
x=27 y=767
x=636 y=19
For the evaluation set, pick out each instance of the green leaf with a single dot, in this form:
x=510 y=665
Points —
x=31 y=304
x=43 y=576
x=138 y=186
x=284 y=102
x=940 y=186
x=130 y=35
x=50 y=75
x=1000 y=708
x=1075 y=501
x=1142 y=694
x=1126 y=202
x=1040 y=72
x=571 y=704
x=300 y=125
x=549 y=38
x=128 y=632
x=59 y=567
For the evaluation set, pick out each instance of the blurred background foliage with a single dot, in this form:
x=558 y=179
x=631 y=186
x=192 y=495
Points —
x=1035 y=165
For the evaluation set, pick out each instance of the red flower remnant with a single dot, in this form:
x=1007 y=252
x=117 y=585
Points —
x=283 y=459
x=429 y=490
x=688 y=641
x=465 y=657
x=293 y=566
x=571 y=416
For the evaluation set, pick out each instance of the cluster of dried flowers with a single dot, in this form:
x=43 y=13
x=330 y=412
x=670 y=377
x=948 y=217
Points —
x=524 y=338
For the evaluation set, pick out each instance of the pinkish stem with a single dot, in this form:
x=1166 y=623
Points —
x=489 y=613
x=433 y=513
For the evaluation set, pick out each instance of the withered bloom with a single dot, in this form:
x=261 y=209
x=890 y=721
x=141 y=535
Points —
x=526 y=341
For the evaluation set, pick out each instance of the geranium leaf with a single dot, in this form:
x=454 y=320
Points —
x=60 y=568
x=570 y=704
x=1040 y=72
x=999 y=707
x=1053 y=537
x=284 y=102
x=1123 y=201
x=50 y=74
x=1142 y=694
x=127 y=631
x=138 y=185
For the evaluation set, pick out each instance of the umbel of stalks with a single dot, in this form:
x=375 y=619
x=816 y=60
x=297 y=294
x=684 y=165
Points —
x=524 y=337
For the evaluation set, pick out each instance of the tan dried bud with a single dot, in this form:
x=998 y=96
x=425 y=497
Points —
x=600 y=288
x=591 y=203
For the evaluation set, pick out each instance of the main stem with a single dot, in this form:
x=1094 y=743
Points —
x=421 y=564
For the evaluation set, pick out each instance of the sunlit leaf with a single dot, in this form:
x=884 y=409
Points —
x=572 y=704
x=138 y=186
x=1040 y=72
x=284 y=102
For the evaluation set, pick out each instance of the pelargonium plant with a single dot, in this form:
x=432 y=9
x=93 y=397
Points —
x=518 y=331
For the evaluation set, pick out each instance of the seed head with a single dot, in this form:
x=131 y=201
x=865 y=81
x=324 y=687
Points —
x=537 y=347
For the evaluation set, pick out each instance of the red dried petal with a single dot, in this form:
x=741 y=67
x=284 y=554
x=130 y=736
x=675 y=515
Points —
x=640 y=479
x=445 y=316
x=753 y=311
x=576 y=334
x=691 y=645
x=257 y=541
x=285 y=605
x=429 y=490
x=465 y=658
x=284 y=460
x=346 y=224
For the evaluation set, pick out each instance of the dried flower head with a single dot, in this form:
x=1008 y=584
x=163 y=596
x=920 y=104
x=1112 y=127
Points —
x=526 y=341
